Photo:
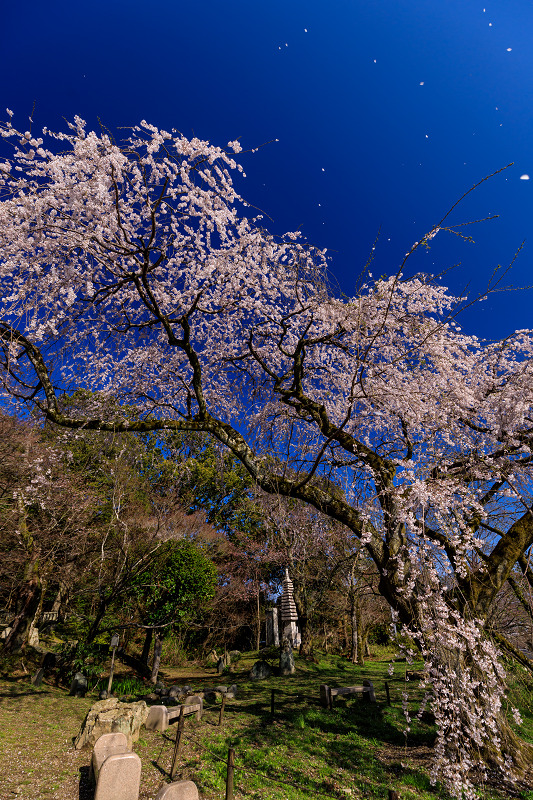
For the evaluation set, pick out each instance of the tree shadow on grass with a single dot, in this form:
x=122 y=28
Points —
x=30 y=692
x=86 y=787
x=160 y=769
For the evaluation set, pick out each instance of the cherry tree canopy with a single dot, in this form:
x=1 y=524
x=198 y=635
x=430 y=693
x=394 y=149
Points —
x=134 y=271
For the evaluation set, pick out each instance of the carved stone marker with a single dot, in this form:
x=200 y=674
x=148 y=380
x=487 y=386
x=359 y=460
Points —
x=272 y=629
x=115 y=770
x=109 y=744
x=179 y=790
x=119 y=778
x=286 y=659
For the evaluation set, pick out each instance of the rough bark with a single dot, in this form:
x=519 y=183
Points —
x=353 y=648
x=145 y=655
x=102 y=608
x=29 y=597
x=359 y=635
x=158 y=646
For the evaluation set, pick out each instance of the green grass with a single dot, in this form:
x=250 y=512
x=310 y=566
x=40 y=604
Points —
x=127 y=685
x=303 y=752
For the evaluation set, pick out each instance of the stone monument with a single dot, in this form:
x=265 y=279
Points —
x=286 y=659
x=272 y=628
x=289 y=616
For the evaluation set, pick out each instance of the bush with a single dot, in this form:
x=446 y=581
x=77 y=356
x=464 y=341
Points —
x=172 y=653
x=379 y=634
x=88 y=658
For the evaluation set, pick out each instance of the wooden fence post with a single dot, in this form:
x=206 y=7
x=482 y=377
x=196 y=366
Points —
x=177 y=744
x=387 y=690
x=229 y=775
x=221 y=717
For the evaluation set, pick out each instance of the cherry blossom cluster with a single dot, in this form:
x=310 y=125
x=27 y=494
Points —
x=134 y=270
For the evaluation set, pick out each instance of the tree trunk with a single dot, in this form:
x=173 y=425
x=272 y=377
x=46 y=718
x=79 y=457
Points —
x=145 y=655
x=306 y=644
x=28 y=600
x=258 y=621
x=33 y=629
x=344 y=633
x=359 y=634
x=353 y=643
x=460 y=668
x=93 y=630
x=59 y=599
x=158 y=646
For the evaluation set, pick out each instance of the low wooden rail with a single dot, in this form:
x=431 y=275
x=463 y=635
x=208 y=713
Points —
x=328 y=693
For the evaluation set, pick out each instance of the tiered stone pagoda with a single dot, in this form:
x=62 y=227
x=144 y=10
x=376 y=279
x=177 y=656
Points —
x=289 y=616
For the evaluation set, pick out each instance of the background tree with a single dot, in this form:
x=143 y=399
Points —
x=45 y=524
x=178 y=581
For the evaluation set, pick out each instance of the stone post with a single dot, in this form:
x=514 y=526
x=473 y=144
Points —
x=272 y=630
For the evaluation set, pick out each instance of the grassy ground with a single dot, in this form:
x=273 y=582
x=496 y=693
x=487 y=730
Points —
x=301 y=752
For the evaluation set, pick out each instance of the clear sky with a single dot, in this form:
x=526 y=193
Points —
x=386 y=112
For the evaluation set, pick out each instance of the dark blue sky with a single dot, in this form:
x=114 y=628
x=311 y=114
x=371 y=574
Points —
x=386 y=112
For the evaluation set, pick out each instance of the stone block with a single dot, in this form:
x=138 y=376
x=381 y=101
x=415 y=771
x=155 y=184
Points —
x=111 y=716
x=160 y=717
x=109 y=744
x=157 y=719
x=38 y=677
x=325 y=695
x=260 y=671
x=213 y=696
x=286 y=660
x=170 y=701
x=119 y=778
x=194 y=700
x=369 y=694
x=78 y=685
x=179 y=790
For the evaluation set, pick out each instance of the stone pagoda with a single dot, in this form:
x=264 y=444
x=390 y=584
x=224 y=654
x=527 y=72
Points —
x=289 y=617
